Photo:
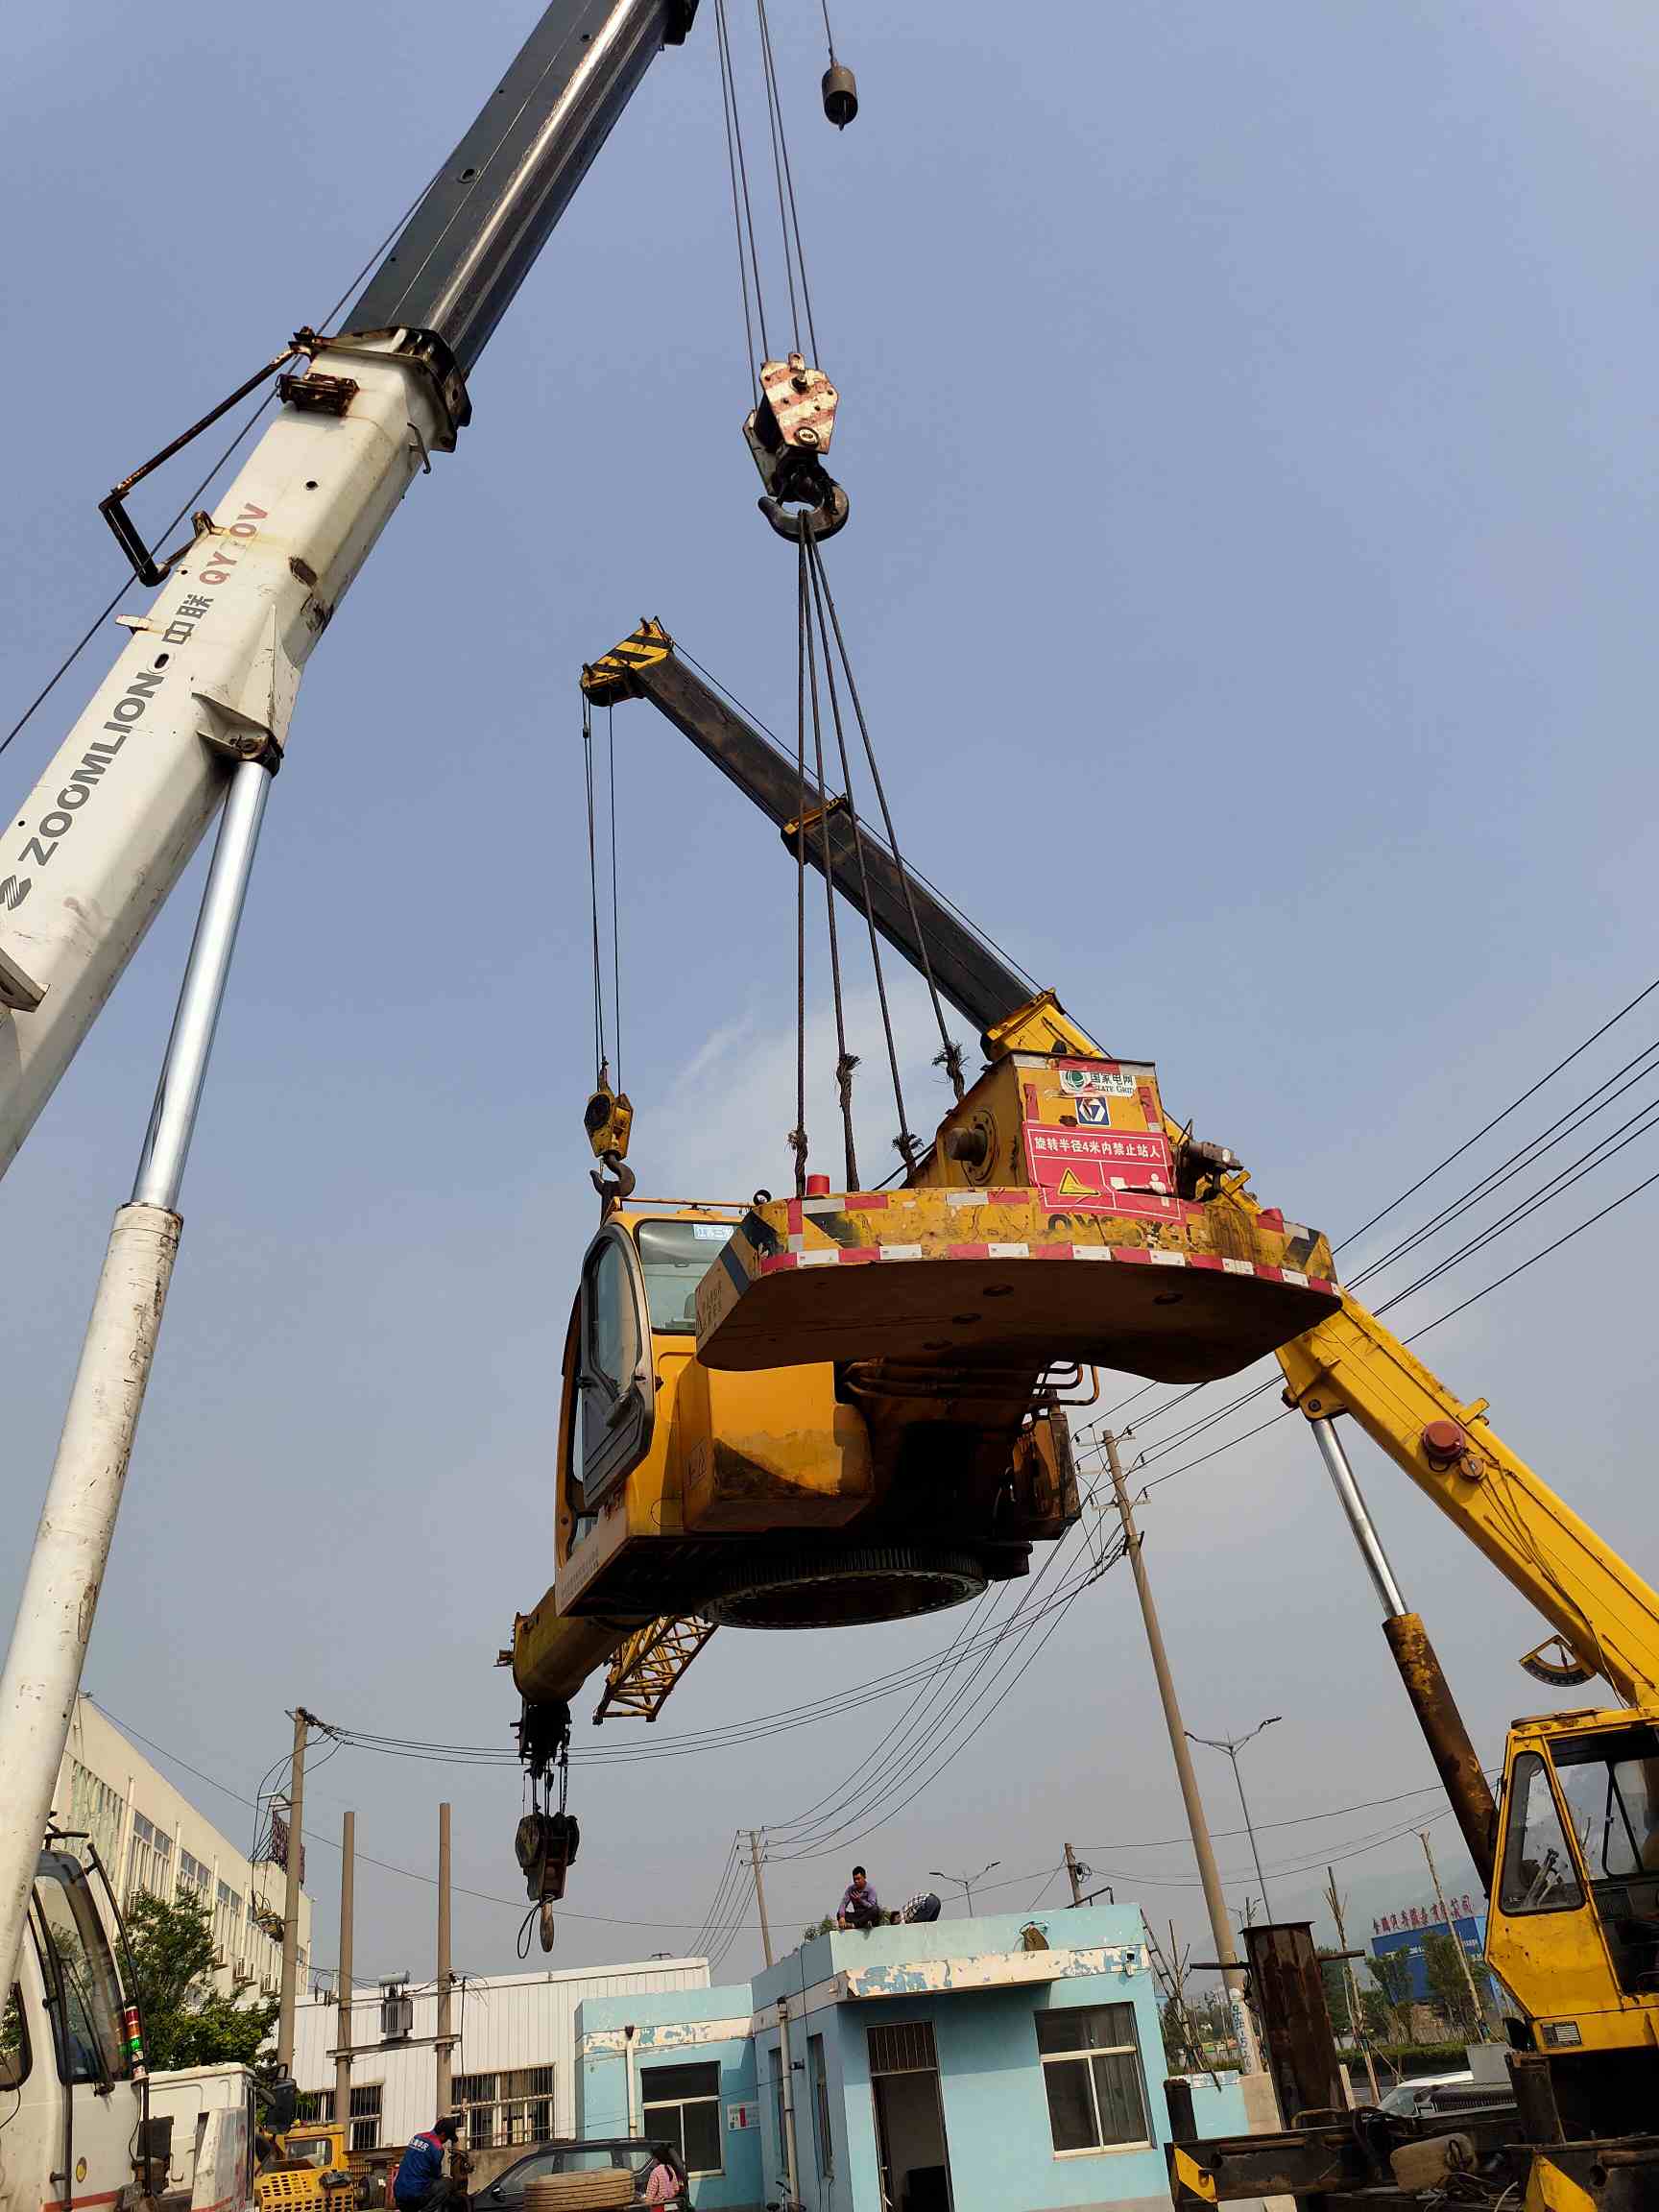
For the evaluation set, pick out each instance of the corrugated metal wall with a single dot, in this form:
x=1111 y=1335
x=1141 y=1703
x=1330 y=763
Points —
x=506 y=2022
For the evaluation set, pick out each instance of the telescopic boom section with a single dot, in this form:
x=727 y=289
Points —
x=908 y=915
x=210 y=674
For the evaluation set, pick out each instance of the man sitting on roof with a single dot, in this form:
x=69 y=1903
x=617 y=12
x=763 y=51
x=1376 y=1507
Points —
x=859 y=1906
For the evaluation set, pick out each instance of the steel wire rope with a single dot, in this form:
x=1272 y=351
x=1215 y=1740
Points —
x=950 y=1054
x=772 y=126
x=877 y=1763
x=690 y=1742
x=980 y=936
x=845 y=1062
x=599 y=1054
x=781 y=147
x=749 y=371
x=1488 y=1127
x=705 y=1926
x=1545 y=1252
x=1518 y=1162
x=75 y=651
x=728 y=89
x=816 y=1841
x=1639 y=1124
x=797 y=1140
x=1364 y=1274
x=857 y=1790
x=615 y=903
x=413 y=1874
x=1023 y=1617
x=927 y=1780
x=855 y=832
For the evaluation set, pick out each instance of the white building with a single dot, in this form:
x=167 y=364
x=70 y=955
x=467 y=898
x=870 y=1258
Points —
x=513 y=2069
x=154 y=1841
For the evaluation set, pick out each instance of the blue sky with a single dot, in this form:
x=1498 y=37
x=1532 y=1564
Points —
x=1248 y=419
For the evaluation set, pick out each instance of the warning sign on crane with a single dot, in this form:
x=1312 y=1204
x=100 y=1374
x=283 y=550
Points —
x=1093 y=1170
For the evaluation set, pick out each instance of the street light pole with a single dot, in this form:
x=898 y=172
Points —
x=964 y=1881
x=1232 y=1745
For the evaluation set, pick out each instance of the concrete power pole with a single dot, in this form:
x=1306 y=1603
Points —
x=446 y=2050
x=343 y=2041
x=1478 y=2010
x=759 y=1895
x=303 y=1721
x=1354 y=2012
x=1076 y=1874
x=1215 y=1902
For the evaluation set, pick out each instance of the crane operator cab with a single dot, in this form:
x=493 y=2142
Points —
x=1574 y=1921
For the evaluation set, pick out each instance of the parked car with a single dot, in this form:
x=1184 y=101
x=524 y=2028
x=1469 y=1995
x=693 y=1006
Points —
x=640 y=2152
x=1444 y=2096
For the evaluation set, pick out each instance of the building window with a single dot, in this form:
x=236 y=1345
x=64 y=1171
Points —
x=194 y=1877
x=507 y=2110
x=682 y=2104
x=365 y=2116
x=1092 y=2073
x=313 y=2106
x=819 y=2075
x=98 y=1810
x=149 y=1861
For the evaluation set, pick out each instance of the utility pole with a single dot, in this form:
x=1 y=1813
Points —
x=446 y=2050
x=1203 y=1851
x=759 y=1894
x=1478 y=2008
x=303 y=1721
x=791 y=2158
x=343 y=2041
x=1075 y=1871
x=1354 y=2012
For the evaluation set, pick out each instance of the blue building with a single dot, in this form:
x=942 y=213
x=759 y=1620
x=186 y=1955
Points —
x=1409 y=1940
x=1006 y=2065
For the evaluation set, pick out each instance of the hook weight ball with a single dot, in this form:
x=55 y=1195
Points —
x=840 y=95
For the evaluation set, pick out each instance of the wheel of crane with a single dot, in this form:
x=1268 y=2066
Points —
x=855 y=1588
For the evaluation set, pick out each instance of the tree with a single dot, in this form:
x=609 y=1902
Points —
x=1391 y=1971
x=1448 y=1990
x=1337 y=1992
x=187 y=2022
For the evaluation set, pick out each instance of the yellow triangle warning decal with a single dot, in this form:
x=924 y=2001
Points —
x=1073 y=1187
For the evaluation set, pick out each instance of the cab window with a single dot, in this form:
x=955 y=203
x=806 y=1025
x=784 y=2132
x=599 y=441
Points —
x=674 y=1257
x=1538 y=1871
x=616 y=1379
x=1611 y=1784
x=78 y=1968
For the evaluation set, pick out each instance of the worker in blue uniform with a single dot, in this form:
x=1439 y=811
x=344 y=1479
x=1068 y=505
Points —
x=421 y=2180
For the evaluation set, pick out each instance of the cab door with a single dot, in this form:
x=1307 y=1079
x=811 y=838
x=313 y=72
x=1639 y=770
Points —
x=614 y=1380
x=1543 y=1937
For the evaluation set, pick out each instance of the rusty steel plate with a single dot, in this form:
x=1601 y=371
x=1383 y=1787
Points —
x=949 y=1277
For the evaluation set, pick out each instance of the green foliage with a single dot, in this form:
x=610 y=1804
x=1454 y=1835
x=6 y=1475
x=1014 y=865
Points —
x=186 y=2021
x=1447 y=1990
x=1391 y=1971
x=1335 y=1980
x=824 y=1927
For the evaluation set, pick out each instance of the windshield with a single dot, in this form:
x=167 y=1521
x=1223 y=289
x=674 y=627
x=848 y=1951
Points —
x=675 y=1256
x=1611 y=1783
x=88 y=2024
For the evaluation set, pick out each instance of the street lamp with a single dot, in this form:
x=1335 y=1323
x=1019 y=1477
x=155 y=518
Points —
x=1232 y=1745
x=964 y=1881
